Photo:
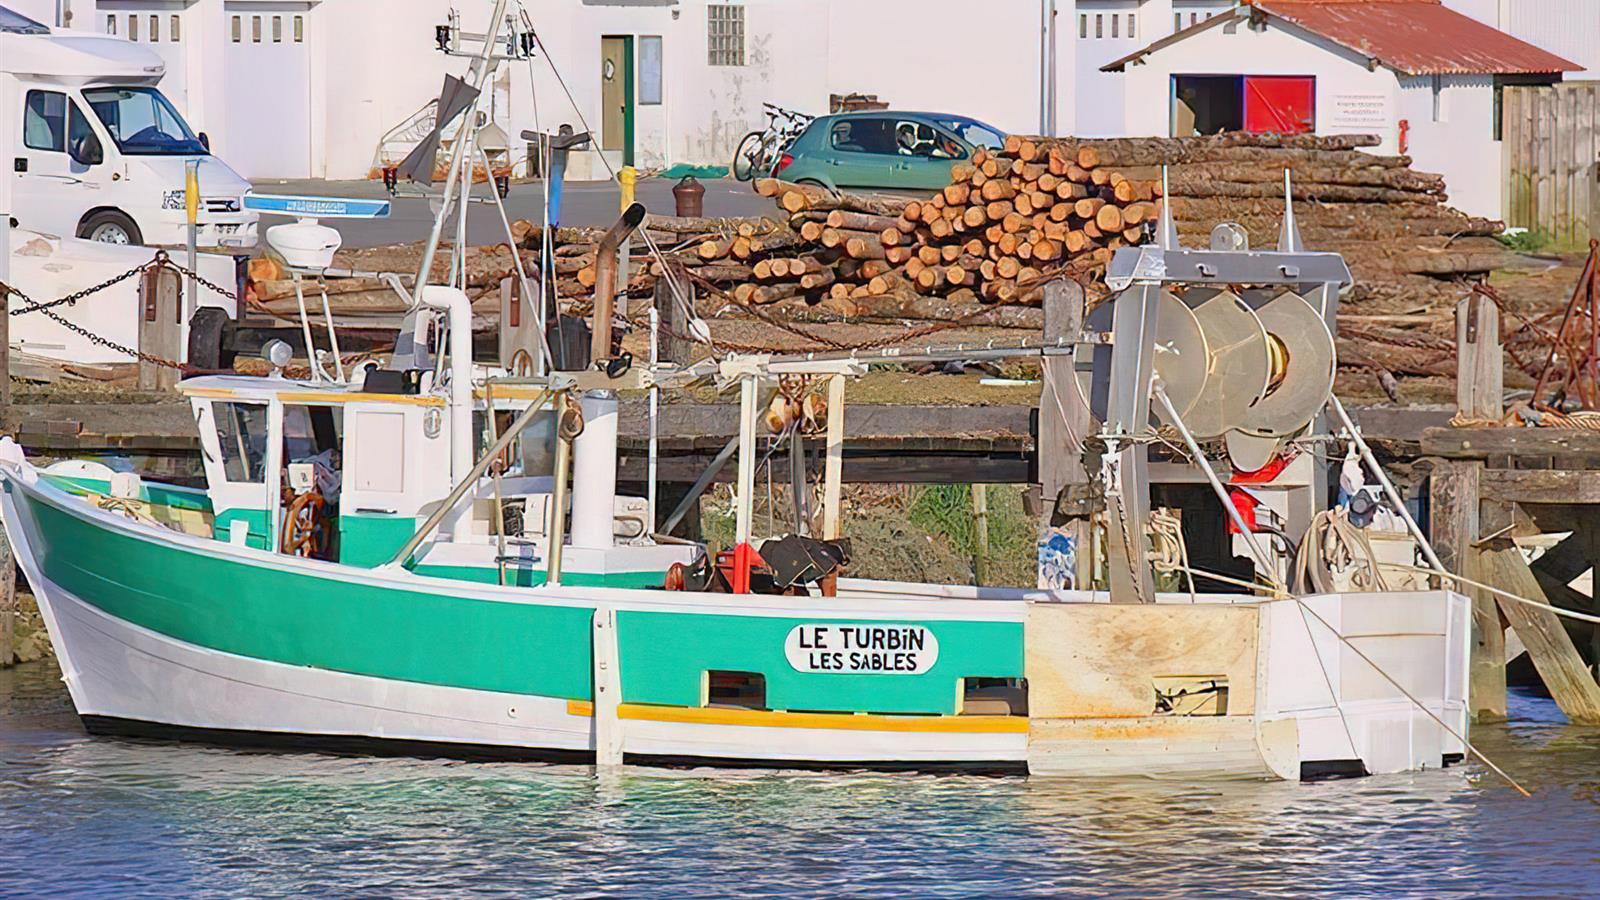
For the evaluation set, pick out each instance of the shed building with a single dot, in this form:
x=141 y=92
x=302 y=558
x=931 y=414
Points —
x=1424 y=78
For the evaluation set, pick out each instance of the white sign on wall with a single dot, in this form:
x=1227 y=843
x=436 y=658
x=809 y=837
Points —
x=862 y=649
x=1360 y=112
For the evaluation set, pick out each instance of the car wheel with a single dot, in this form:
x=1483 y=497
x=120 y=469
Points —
x=815 y=183
x=109 y=226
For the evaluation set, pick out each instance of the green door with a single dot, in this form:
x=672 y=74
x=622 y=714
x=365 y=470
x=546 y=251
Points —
x=617 y=95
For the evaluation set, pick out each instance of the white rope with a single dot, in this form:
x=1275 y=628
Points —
x=650 y=244
x=1515 y=598
x=1305 y=610
x=1415 y=702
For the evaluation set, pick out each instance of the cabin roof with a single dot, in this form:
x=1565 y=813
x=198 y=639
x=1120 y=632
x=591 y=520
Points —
x=247 y=388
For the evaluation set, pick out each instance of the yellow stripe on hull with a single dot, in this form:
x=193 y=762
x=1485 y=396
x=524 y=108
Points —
x=760 y=718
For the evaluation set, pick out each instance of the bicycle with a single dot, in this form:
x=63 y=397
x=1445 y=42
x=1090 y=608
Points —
x=759 y=151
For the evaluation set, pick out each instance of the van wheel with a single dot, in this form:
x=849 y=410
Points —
x=110 y=227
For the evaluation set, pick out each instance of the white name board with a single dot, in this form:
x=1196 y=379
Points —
x=862 y=649
x=1360 y=112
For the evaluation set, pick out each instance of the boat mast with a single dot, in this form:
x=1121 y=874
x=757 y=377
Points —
x=482 y=66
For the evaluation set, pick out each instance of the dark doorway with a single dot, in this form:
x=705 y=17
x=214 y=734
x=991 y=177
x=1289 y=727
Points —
x=1207 y=104
x=1212 y=104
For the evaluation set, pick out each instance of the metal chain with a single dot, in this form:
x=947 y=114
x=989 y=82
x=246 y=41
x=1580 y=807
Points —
x=159 y=261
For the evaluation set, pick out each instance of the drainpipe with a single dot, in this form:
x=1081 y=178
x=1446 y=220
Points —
x=458 y=313
x=605 y=280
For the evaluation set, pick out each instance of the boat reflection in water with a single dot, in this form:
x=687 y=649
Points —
x=88 y=817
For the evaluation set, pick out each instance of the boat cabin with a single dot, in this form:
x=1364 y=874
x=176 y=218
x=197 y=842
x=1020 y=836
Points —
x=347 y=473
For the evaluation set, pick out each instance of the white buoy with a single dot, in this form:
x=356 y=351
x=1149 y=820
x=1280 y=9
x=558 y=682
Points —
x=594 y=472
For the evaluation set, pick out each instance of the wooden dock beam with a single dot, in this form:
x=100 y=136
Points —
x=1454 y=530
x=1064 y=423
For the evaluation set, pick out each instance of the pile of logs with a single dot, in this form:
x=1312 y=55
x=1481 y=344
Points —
x=1009 y=220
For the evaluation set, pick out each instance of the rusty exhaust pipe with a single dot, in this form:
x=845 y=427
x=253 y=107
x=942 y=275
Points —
x=606 y=264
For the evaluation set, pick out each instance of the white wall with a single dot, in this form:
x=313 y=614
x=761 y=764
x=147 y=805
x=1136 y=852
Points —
x=1350 y=99
x=44 y=11
x=1100 y=101
x=1460 y=145
x=1568 y=28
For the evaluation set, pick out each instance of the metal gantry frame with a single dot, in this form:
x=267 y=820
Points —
x=1139 y=275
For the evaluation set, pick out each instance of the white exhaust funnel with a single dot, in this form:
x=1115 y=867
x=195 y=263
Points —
x=594 y=473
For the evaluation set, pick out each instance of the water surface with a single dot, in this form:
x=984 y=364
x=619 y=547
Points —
x=100 y=817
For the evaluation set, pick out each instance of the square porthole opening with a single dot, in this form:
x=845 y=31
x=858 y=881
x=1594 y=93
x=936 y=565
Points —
x=736 y=690
x=1191 y=695
x=994 y=696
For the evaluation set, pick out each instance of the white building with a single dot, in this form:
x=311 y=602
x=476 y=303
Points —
x=297 y=89
x=1422 y=77
x=308 y=88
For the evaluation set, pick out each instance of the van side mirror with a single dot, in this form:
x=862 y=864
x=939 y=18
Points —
x=86 y=151
x=205 y=141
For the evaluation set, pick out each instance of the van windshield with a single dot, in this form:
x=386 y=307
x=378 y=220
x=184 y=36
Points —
x=143 y=122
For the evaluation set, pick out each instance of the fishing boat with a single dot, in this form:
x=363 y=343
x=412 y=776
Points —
x=432 y=557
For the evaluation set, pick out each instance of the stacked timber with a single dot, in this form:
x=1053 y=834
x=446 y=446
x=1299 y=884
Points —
x=1391 y=222
x=1013 y=217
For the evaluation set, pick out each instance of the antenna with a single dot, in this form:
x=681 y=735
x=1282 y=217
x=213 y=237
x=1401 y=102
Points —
x=1289 y=231
x=1166 y=226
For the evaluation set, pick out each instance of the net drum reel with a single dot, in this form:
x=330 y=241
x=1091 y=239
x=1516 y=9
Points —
x=1252 y=367
x=1239 y=342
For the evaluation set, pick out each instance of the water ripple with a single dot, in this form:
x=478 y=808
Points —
x=89 y=817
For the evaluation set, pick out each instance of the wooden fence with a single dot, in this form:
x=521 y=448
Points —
x=1551 y=137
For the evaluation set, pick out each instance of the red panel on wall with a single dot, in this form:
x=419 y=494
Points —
x=1282 y=103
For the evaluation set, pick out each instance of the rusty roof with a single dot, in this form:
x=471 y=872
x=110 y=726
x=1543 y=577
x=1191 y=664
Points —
x=1418 y=37
x=1414 y=37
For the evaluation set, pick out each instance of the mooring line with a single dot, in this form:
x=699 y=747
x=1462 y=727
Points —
x=1419 y=705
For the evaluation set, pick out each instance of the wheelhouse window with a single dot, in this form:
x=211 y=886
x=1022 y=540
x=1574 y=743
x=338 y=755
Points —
x=143 y=122
x=242 y=437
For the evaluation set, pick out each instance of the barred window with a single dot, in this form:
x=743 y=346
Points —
x=725 y=34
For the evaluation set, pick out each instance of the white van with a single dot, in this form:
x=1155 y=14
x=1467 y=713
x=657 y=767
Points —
x=101 y=152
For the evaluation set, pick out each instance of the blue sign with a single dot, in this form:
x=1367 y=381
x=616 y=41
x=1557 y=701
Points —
x=316 y=207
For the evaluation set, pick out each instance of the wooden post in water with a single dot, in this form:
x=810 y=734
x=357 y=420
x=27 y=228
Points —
x=160 y=327
x=1454 y=527
x=1064 y=423
x=1549 y=646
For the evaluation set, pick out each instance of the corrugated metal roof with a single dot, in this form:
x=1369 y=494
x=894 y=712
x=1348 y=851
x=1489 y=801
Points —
x=1417 y=37
x=1414 y=37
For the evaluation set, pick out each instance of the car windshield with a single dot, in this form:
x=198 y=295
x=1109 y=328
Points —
x=143 y=122
x=14 y=22
x=974 y=132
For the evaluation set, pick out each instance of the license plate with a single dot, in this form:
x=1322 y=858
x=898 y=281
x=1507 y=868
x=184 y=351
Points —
x=227 y=229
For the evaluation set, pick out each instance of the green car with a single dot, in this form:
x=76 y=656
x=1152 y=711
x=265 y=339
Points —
x=884 y=149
